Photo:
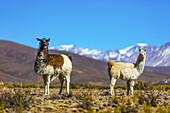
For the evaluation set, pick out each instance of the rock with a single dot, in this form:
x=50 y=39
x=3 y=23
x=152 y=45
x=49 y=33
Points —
x=74 y=98
x=95 y=103
x=166 y=98
x=97 y=110
x=54 y=102
x=39 y=101
x=101 y=107
x=73 y=110
x=104 y=105
x=108 y=104
x=114 y=105
x=69 y=102
x=7 y=110
x=105 y=93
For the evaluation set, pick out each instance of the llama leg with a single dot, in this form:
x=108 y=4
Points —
x=45 y=84
x=132 y=82
x=68 y=82
x=61 y=81
x=48 y=84
x=112 y=84
x=45 y=88
x=128 y=87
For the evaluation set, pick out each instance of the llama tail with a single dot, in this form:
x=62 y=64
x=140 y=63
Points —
x=69 y=57
x=110 y=63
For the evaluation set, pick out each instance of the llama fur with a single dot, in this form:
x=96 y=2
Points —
x=126 y=71
x=52 y=66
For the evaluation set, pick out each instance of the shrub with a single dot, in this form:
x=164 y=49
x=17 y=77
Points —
x=74 y=85
x=51 y=108
x=148 y=97
x=1 y=84
x=115 y=99
x=139 y=85
x=147 y=108
x=86 y=97
x=161 y=109
x=16 y=99
x=162 y=87
x=120 y=86
x=17 y=85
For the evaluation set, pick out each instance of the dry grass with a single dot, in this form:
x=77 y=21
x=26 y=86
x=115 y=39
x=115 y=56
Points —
x=84 y=100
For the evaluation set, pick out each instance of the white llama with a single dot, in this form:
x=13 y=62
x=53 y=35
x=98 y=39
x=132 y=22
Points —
x=126 y=71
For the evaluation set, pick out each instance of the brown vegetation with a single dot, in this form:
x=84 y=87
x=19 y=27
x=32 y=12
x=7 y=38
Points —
x=84 y=98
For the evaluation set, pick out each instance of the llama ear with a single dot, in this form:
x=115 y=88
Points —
x=48 y=40
x=140 y=50
x=145 y=50
x=37 y=39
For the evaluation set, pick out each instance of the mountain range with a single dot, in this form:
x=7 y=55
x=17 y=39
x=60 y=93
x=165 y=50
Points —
x=156 y=56
x=17 y=65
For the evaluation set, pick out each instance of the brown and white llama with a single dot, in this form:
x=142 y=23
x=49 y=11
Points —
x=52 y=66
x=126 y=71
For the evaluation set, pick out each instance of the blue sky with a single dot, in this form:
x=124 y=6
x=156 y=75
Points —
x=93 y=24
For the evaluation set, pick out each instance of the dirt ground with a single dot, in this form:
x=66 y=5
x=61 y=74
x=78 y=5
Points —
x=92 y=100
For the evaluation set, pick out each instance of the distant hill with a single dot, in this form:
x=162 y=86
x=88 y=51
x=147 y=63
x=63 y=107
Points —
x=17 y=64
x=155 y=56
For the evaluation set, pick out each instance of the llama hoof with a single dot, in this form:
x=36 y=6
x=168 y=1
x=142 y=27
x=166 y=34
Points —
x=45 y=94
x=113 y=94
x=68 y=95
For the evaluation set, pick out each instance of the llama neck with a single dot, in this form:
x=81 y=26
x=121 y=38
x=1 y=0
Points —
x=41 y=59
x=43 y=53
x=140 y=65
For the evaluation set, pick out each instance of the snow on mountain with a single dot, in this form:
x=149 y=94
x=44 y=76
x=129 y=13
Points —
x=156 y=56
x=163 y=56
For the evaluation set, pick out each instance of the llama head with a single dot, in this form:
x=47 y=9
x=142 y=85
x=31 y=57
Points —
x=110 y=63
x=43 y=42
x=142 y=54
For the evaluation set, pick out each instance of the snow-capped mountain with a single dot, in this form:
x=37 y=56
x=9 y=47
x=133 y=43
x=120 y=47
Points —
x=156 y=56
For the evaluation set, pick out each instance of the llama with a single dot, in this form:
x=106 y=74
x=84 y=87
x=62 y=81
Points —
x=126 y=71
x=52 y=66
